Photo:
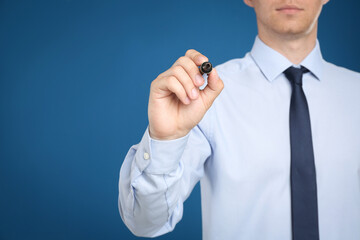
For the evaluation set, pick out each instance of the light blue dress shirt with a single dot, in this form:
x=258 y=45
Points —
x=240 y=152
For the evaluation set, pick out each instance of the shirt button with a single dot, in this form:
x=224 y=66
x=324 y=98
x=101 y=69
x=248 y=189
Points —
x=146 y=156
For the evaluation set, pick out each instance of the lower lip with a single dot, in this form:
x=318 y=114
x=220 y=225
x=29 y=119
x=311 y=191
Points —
x=289 y=10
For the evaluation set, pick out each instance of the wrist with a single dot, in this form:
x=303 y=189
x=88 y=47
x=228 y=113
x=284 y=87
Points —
x=162 y=137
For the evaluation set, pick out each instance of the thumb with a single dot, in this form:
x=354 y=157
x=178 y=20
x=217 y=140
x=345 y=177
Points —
x=213 y=88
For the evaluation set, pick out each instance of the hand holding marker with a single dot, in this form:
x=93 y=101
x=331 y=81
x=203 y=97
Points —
x=175 y=103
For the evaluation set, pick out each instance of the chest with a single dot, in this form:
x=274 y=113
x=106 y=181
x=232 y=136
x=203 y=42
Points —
x=253 y=141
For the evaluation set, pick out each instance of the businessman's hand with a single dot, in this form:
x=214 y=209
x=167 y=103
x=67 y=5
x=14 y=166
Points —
x=175 y=104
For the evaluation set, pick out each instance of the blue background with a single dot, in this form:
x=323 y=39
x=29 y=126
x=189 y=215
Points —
x=75 y=79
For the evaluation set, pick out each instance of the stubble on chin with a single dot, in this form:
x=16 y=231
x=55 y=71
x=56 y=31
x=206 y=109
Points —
x=291 y=27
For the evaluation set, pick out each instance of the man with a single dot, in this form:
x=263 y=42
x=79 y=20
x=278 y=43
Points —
x=277 y=154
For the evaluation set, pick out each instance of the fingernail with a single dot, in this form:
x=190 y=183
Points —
x=199 y=79
x=201 y=59
x=187 y=100
x=194 y=92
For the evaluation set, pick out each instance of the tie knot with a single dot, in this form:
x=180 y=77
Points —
x=295 y=74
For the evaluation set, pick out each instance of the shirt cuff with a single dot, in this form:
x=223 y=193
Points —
x=159 y=156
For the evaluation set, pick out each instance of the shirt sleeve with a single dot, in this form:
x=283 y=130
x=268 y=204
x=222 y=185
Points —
x=156 y=177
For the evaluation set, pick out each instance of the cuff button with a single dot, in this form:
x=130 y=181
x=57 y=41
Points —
x=146 y=156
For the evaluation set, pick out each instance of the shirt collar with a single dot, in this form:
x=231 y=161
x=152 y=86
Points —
x=273 y=63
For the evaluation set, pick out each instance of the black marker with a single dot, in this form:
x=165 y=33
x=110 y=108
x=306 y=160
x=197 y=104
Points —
x=205 y=67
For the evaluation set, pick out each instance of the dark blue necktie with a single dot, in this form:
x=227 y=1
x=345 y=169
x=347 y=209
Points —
x=304 y=208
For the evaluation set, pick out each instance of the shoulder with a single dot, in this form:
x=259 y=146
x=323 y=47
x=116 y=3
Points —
x=233 y=71
x=230 y=70
x=339 y=71
x=235 y=65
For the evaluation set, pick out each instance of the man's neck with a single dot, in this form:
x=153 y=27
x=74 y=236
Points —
x=294 y=48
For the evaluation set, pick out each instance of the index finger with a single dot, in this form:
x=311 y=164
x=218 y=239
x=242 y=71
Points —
x=197 y=57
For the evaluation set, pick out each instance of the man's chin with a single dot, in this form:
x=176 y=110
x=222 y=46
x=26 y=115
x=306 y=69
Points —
x=292 y=32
